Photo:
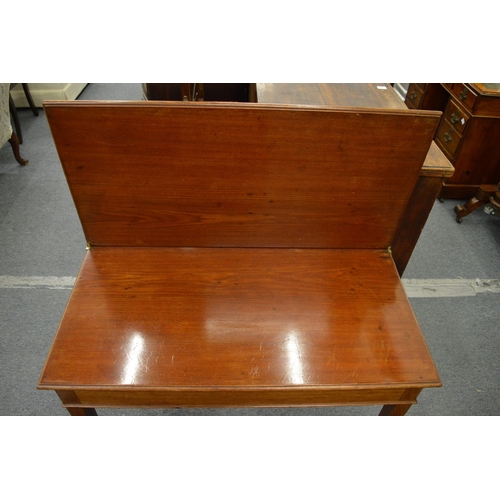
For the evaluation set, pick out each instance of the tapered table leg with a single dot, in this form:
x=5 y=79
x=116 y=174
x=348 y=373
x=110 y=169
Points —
x=394 y=410
x=81 y=412
x=408 y=398
x=69 y=398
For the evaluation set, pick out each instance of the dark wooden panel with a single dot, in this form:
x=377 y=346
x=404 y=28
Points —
x=236 y=92
x=426 y=96
x=241 y=318
x=199 y=174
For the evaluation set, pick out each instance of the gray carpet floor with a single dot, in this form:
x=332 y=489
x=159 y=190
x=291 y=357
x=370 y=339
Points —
x=40 y=235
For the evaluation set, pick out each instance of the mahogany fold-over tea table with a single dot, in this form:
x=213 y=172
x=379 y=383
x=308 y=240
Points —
x=238 y=256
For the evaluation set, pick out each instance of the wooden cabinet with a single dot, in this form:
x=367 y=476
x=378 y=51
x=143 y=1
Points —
x=225 y=92
x=426 y=96
x=469 y=133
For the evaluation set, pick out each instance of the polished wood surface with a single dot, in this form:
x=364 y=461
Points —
x=237 y=321
x=436 y=167
x=200 y=174
x=238 y=256
x=365 y=95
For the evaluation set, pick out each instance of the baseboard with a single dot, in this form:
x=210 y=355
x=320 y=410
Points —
x=47 y=91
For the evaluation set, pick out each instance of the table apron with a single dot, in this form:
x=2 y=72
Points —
x=237 y=398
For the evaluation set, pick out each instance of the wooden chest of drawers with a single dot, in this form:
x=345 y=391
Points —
x=469 y=132
x=426 y=96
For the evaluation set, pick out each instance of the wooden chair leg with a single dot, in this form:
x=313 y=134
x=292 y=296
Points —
x=14 y=142
x=27 y=93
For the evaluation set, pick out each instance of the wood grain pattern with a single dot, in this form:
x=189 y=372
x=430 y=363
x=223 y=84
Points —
x=233 y=320
x=435 y=169
x=366 y=95
x=238 y=256
x=207 y=175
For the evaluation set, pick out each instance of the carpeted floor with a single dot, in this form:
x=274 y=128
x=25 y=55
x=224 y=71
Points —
x=40 y=235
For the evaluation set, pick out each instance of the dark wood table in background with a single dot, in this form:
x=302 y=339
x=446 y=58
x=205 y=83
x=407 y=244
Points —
x=436 y=168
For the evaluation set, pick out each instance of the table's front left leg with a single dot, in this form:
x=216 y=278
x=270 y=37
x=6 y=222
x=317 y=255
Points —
x=394 y=410
x=78 y=411
x=68 y=399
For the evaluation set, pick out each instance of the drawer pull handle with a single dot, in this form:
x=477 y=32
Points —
x=447 y=137
x=463 y=94
x=455 y=117
x=413 y=96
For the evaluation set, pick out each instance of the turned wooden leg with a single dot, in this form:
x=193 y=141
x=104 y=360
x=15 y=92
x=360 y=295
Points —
x=482 y=197
x=14 y=142
x=69 y=398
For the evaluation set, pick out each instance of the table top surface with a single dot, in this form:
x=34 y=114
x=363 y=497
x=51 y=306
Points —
x=270 y=318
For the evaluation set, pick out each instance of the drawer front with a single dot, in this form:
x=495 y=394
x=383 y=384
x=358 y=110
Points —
x=465 y=95
x=448 y=138
x=456 y=116
x=414 y=96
